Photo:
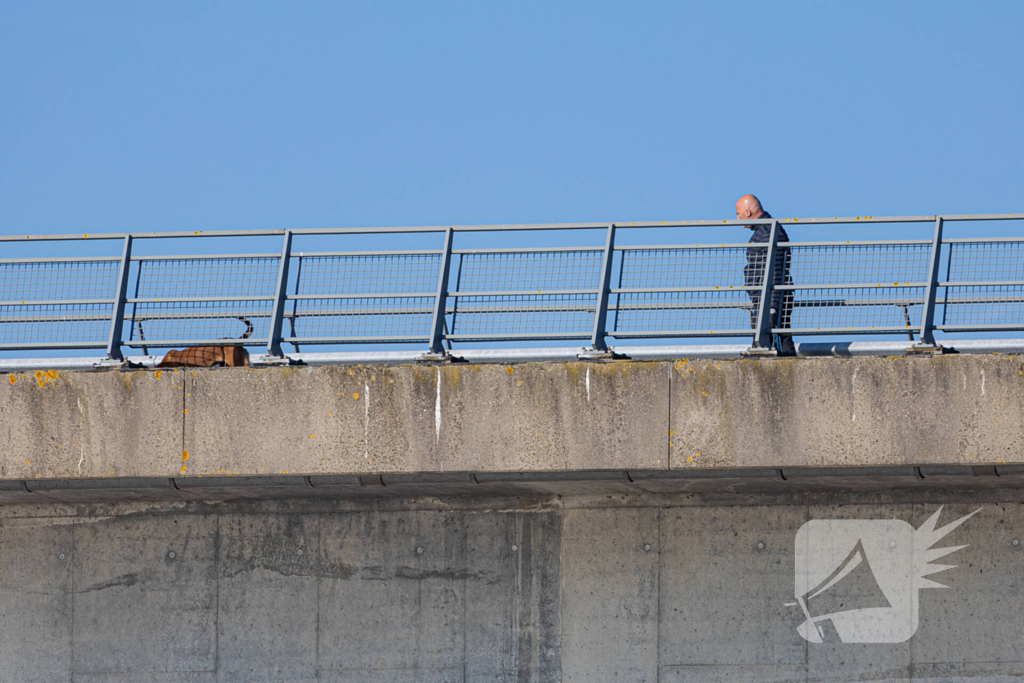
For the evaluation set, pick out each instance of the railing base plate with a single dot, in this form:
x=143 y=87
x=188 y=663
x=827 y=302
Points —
x=273 y=361
x=594 y=355
x=927 y=350
x=111 y=364
x=439 y=358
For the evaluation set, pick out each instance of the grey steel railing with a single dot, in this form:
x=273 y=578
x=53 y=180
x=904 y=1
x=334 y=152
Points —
x=453 y=295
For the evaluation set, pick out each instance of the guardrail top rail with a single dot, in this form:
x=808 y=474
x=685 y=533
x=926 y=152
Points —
x=454 y=294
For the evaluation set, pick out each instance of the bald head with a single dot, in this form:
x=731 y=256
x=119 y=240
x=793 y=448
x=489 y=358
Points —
x=748 y=206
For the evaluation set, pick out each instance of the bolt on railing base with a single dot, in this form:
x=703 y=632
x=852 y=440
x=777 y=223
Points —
x=759 y=352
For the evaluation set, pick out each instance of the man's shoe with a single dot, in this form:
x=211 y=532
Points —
x=785 y=346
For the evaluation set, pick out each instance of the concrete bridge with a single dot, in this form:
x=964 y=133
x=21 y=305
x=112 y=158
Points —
x=537 y=521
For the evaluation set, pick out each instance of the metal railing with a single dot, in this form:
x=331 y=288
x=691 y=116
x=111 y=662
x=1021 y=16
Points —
x=453 y=295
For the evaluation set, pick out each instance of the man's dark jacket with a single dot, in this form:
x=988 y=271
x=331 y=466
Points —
x=753 y=272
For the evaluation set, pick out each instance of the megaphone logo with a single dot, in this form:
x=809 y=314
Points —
x=857 y=580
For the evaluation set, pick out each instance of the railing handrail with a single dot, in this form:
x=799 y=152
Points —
x=598 y=225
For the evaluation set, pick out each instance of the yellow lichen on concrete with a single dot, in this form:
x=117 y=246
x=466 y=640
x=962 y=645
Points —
x=126 y=379
x=44 y=377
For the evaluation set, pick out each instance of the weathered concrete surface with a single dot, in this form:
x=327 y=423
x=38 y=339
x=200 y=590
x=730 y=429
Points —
x=598 y=588
x=610 y=595
x=144 y=594
x=854 y=411
x=492 y=419
x=35 y=599
x=708 y=558
x=267 y=597
x=56 y=425
x=533 y=416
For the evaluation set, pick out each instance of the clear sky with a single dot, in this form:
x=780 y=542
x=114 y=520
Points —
x=119 y=116
x=145 y=116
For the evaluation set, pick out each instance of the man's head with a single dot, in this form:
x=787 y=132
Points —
x=748 y=206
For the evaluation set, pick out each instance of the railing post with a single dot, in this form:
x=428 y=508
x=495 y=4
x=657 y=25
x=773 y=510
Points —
x=597 y=339
x=281 y=297
x=763 y=329
x=117 y=319
x=441 y=299
x=928 y=315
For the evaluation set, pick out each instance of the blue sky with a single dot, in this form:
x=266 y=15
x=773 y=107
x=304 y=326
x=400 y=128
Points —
x=119 y=116
x=154 y=116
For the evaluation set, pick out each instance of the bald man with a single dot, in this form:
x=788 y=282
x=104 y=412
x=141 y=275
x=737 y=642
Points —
x=748 y=206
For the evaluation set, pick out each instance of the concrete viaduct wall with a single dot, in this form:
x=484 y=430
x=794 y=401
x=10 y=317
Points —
x=623 y=521
x=577 y=589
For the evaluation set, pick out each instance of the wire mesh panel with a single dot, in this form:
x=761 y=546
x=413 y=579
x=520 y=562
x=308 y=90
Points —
x=70 y=284
x=989 y=261
x=366 y=274
x=664 y=313
x=685 y=267
x=858 y=263
x=565 y=316
x=885 y=292
x=852 y=309
x=511 y=271
x=565 y=282
x=58 y=280
x=55 y=324
x=978 y=307
x=179 y=322
x=328 y=312
x=985 y=305
x=228 y=295
x=722 y=306
x=223 y=278
x=338 y=320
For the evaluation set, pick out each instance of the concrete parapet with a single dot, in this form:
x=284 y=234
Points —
x=529 y=417
x=63 y=425
x=870 y=411
x=558 y=417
